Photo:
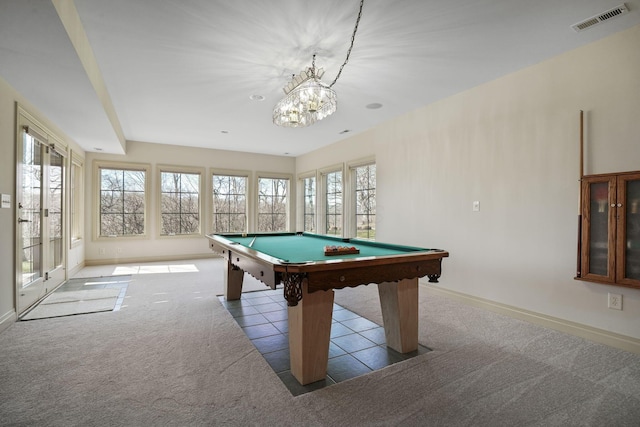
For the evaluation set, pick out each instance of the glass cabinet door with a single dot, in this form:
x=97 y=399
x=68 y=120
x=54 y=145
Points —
x=598 y=228
x=628 y=216
x=610 y=241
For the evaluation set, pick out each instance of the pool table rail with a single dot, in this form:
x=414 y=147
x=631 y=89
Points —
x=334 y=273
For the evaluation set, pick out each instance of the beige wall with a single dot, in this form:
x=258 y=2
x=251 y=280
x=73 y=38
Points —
x=513 y=145
x=7 y=186
x=155 y=247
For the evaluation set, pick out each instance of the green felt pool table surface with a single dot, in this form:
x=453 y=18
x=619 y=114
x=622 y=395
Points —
x=300 y=248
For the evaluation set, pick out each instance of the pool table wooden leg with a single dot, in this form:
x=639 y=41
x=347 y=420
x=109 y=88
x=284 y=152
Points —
x=399 y=303
x=233 y=278
x=309 y=335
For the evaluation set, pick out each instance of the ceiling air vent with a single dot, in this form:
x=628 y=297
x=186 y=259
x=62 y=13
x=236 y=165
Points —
x=601 y=17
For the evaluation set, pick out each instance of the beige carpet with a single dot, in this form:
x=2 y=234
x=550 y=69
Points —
x=74 y=302
x=174 y=356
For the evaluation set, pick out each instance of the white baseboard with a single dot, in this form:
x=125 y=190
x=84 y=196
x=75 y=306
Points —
x=601 y=336
x=72 y=271
x=162 y=258
x=7 y=320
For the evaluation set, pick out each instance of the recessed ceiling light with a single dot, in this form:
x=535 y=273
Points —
x=256 y=98
x=97 y=149
x=345 y=131
x=374 y=106
x=224 y=131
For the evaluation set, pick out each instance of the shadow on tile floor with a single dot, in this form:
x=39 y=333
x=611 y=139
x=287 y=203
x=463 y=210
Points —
x=357 y=345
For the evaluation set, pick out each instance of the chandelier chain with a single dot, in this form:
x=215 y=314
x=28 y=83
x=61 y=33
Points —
x=353 y=38
x=307 y=98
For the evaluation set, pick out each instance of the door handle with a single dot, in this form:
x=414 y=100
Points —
x=23 y=220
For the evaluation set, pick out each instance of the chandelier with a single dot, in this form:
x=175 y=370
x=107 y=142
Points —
x=308 y=99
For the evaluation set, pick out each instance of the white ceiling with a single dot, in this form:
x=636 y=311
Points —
x=181 y=72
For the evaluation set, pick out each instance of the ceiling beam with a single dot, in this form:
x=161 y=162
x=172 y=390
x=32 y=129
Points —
x=68 y=14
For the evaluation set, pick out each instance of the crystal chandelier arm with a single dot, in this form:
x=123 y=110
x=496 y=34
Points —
x=353 y=38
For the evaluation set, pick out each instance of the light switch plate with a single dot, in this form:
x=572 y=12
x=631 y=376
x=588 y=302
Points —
x=476 y=206
x=6 y=201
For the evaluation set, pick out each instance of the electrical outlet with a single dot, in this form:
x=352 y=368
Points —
x=615 y=301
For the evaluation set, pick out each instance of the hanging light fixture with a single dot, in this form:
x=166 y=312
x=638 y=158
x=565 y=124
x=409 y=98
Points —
x=308 y=99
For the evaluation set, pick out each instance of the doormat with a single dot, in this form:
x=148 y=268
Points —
x=82 y=296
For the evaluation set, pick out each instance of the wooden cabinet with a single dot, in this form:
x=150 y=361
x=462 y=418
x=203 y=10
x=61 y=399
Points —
x=610 y=238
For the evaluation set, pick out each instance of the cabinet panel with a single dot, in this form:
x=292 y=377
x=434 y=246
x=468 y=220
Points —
x=628 y=235
x=598 y=229
x=610 y=241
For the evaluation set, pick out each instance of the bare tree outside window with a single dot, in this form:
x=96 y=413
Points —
x=272 y=204
x=31 y=208
x=56 y=180
x=122 y=202
x=229 y=204
x=309 y=189
x=366 y=201
x=333 y=212
x=180 y=203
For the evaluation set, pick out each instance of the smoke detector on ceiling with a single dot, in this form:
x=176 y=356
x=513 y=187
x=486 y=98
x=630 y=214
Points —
x=601 y=17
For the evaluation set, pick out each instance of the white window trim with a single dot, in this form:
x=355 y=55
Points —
x=250 y=207
x=351 y=228
x=99 y=164
x=158 y=206
x=321 y=196
x=365 y=161
x=291 y=199
x=76 y=202
x=301 y=200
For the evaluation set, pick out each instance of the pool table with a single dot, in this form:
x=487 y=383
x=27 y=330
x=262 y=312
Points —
x=310 y=270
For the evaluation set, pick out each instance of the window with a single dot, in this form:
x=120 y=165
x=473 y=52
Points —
x=229 y=203
x=179 y=202
x=309 y=210
x=273 y=204
x=122 y=202
x=333 y=203
x=56 y=207
x=365 y=198
x=77 y=198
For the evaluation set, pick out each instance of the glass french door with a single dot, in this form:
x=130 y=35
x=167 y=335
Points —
x=54 y=268
x=40 y=228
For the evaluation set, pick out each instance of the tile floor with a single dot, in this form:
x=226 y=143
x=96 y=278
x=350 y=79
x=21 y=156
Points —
x=89 y=283
x=357 y=345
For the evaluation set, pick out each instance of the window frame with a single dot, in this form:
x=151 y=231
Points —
x=98 y=165
x=290 y=199
x=321 y=189
x=302 y=205
x=160 y=169
x=248 y=196
x=353 y=166
x=76 y=200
